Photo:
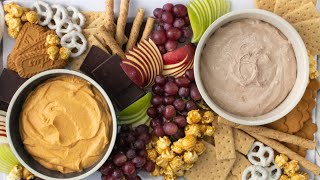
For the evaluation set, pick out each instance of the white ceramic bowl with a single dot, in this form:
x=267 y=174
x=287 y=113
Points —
x=302 y=66
x=14 y=138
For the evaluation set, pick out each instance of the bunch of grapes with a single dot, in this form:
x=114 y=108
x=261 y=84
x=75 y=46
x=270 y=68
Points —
x=173 y=99
x=173 y=27
x=129 y=155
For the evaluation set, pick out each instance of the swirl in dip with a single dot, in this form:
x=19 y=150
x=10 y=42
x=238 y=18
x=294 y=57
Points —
x=65 y=124
x=248 y=67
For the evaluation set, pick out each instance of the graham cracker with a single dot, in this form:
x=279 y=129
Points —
x=283 y=7
x=224 y=142
x=240 y=165
x=91 y=16
x=208 y=167
x=267 y=5
x=309 y=30
x=100 y=21
x=231 y=177
x=242 y=141
x=303 y=13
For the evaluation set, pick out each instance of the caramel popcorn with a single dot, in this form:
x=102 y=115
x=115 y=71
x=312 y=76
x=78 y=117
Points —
x=177 y=147
x=162 y=144
x=170 y=177
x=176 y=164
x=64 y=53
x=299 y=177
x=281 y=160
x=187 y=166
x=13 y=32
x=207 y=117
x=188 y=142
x=161 y=162
x=209 y=130
x=291 y=168
x=152 y=154
x=27 y=175
x=192 y=130
x=194 y=117
x=313 y=72
x=156 y=171
x=16 y=10
x=190 y=157
x=167 y=154
x=8 y=17
x=52 y=40
x=306 y=176
x=199 y=148
x=154 y=140
x=7 y=7
x=14 y=23
x=32 y=17
x=284 y=177
x=168 y=171
x=53 y=52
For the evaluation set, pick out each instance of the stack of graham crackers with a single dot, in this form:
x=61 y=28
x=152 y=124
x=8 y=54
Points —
x=100 y=30
x=302 y=14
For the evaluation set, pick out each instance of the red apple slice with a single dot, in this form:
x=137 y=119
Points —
x=157 y=53
x=181 y=70
x=179 y=54
x=175 y=66
x=151 y=60
x=136 y=59
x=133 y=73
x=142 y=57
x=153 y=53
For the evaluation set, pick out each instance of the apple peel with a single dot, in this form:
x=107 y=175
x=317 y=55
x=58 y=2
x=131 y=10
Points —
x=133 y=73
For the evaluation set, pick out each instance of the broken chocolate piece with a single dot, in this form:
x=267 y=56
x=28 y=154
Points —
x=94 y=58
x=10 y=83
x=128 y=96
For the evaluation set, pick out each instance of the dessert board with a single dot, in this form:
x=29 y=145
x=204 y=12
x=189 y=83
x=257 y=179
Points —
x=149 y=5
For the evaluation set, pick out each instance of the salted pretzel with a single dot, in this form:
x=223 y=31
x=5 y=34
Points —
x=75 y=41
x=44 y=12
x=260 y=155
x=60 y=15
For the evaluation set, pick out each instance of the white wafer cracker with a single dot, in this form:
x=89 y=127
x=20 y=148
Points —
x=71 y=41
x=76 y=16
x=60 y=15
x=44 y=12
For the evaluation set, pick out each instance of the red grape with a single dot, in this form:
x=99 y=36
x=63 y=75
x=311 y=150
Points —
x=184 y=92
x=156 y=89
x=168 y=7
x=108 y=177
x=159 y=28
x=146 y=137
x=171 y=88
x=160 y=80
x=154 y=123
x=117 y=173
x=139 y=161
x=180 y=134
x=180 y=121
x=130 y=138
x=170 y=128
x=191 y=105
x=143 y=153
x=167 y=26
x=152 y=112
x=119 y=159
x=157 y=100
x=170 y=79
x=157 y=12
x=162 y=49
x=149 y=166
x=195 y=94
x=158 y=131
x=106 y=168
x=169 y=112
x=142 y=128
x=169 y=100
x=187 y=20
x=159 y=37
x=133 y=177
x=184 y=113
x=179 y=104
x=187 y=32
x=160 y=109
x=173 y=33
x=167 y=17
x=179 y=23
x=125 y=128
x=131 y=153
x=129 y=168
x=171 y=45
x=139 y=144
x=190 y=74
x=182 y=39
x=180 y=10
x=182 y=81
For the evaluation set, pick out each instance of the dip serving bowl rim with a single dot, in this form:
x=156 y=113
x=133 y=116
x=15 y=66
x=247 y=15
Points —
x=301 y=55
x=51 y=74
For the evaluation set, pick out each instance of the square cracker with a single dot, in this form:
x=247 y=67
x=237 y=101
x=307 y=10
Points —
x=224 y=142
x=239 y=165
x=242 y=141
x=283 y=7
x=91 y=16
x=305 y=12
x=310 y=32
x=267 y=5
x=208 y=167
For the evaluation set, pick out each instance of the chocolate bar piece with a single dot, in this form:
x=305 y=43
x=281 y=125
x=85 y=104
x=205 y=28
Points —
x=10 y=82
x=94 y=58
x=128 y=96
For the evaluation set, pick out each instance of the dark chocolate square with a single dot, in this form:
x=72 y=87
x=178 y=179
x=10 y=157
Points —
x=94 y=58
x=128 y=96
x=9 y=84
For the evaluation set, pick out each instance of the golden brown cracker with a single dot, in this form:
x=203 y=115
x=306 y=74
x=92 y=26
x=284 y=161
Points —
x=267 y=5
x=309 y=30
x=242 y=141
x=122 y=21
x=294 y=121
x=309 y=129
x=224 y=142
x=31 y=63
x=91 y=16
x=279 y=125
x=135 y=30
x=240 y=165
x=283 y=7
x=148 y=28
x=208 y=167
x=305 y=12
x=232 y=177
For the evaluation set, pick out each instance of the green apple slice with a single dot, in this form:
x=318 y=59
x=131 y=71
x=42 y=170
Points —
x=207 y=12
x=200 y=9
x=127 y=118
x=135 y=119
x=210 y=5
x=7 y=159
x=144 y=120
x=137 y=106
x=196 y=22
x=228 y=5
x=218 y=8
